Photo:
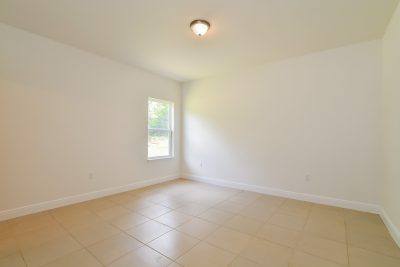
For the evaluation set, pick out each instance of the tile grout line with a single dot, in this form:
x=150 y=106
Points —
x=219 y=225
x=347 y=240
x=19 y=251
x=83 y=246
x=124 y=231
x=203 y=240
x=22 y=256
x=301 y=234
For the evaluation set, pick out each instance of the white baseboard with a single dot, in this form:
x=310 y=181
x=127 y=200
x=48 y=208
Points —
x=56 y=203
x=367 y=207
x=394 y=231
x=361 y=206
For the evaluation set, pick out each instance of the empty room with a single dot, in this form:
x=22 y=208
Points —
x=181 y=133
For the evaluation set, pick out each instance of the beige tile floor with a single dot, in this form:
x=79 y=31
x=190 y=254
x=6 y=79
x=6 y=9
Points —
x=184 y=223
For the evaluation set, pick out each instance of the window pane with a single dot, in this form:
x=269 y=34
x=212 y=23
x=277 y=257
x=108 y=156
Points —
x=158 y=115
x=158 y=143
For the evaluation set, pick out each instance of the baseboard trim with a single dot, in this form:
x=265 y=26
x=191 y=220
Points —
x=342 y=203
x=56 y=203
x=367 y=207
x=394 y=231
x=348 y=204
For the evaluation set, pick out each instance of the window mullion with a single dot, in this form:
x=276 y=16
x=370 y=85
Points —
x=159 y=129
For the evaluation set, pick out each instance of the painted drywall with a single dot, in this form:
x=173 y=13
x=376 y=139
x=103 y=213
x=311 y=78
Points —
x=391 y=92
x=309 y=125
x=66 y=114
x=156 y=34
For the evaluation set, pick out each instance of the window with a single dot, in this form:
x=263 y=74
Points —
x=160 y=129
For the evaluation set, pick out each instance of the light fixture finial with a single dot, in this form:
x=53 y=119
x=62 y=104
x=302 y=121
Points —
x=200 y=26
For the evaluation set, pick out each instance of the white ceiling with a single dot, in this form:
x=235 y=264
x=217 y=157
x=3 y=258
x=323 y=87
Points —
x=155 y=34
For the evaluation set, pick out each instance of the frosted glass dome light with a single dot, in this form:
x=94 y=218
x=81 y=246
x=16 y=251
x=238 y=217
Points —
x=200 y=27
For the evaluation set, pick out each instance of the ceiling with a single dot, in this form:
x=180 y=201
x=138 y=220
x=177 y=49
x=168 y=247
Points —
x=155 y=35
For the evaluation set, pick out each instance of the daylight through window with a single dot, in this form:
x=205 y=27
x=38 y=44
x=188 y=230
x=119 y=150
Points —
x=160 y=129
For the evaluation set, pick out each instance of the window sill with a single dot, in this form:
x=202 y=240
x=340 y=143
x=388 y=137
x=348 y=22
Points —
x=158 y=158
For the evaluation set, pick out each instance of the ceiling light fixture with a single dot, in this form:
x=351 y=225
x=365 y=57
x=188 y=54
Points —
x=200 y=27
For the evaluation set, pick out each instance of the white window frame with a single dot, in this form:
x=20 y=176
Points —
x=170 y=130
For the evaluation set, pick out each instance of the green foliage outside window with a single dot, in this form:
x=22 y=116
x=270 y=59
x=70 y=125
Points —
x=159 y=128
x=158 y=115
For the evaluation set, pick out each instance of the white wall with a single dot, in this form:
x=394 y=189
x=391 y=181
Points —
x=272 y=125
x=391 y=89
x=65 y=113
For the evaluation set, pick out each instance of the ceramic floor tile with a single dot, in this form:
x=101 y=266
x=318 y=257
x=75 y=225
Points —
x=240 y=200
x=374 y=243
x=32 y=222
x=270 y=201
x=143 y=257
x=112 y=212
x=329 y=229
x=5 y=230
x=154 y=211
x=154 y=197
x=174 y=264
x=352 y=216
x=173 y=244
x=121 y=198
x=70 y=213
x=288 y=221
x=172 y=203
x=98 y=204
x=230 y=206
x=276 y=234
x=244 y=224
x=85 y=220
x=137 y=204
x=229 y=240
x=324 y=248
x=363 y=258
x=38 y=237
x=215 y=257
x=216 y=216
x=295 y=208
x=186 y=220
x=243 y=262
x=268 y=254
x=80 y=258
x=258 y=212
x=294 y=203
x=8 y=246
x=128 y=221
x=114 y=247
x=148 y=231
x=198 y=228
x=301 y=259
x=324 y=212
x=173 y=219
x=193 y=209
x=12 y=260
x=368 y=228
x=248 y=195
x=95 y=233
x=50 y=251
